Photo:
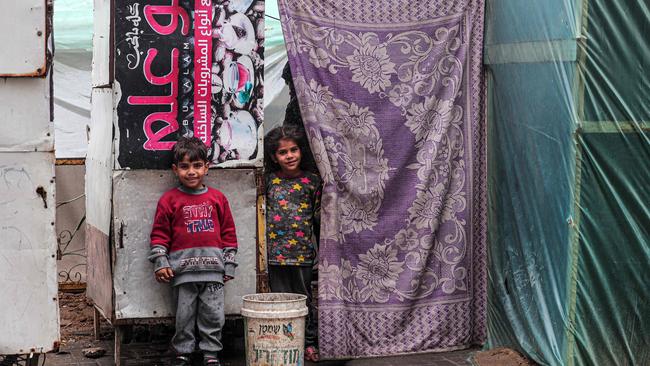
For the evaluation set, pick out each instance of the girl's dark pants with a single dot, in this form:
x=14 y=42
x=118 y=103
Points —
x=297 y=280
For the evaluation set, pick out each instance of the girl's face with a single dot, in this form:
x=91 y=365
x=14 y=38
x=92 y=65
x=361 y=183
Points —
x=288 y=157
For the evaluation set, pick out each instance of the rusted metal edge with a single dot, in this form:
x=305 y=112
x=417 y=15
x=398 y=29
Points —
x=152 y=321
x=30 y=352
x=47 y=57
x=212 y=168
x=79 y=161
x=143 y=321
x=40 y=72
x=73 y=288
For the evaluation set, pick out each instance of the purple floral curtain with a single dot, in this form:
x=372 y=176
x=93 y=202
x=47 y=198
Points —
x=391 y=93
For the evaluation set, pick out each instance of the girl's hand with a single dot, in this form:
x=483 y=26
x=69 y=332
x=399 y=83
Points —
x=164 y=275
x=227 y=278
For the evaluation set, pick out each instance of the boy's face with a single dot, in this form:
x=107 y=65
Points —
x=190 y=173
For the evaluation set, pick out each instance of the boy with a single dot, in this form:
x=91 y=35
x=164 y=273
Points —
x=193 y=247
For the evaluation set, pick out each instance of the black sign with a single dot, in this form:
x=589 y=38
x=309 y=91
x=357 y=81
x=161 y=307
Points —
x=188 y=68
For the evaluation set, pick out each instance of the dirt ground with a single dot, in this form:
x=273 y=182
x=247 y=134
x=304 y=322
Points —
x=76 y=313
x=501 y=357
x=77 y=321
x=77 y=332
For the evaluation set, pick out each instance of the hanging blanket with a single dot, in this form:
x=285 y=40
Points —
x=391 y=94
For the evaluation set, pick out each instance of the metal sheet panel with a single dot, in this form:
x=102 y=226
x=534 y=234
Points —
x=22 y=36
x=100 y=281
x=101 y=71
x=99 y=161
x=99 y=172
x=28 y=275
x=24 y=110
x=135 y=194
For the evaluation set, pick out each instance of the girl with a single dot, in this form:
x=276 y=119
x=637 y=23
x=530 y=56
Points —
x=292 y=209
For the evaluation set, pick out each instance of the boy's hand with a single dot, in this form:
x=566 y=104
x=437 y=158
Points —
x=227 y=278
x=164 y=275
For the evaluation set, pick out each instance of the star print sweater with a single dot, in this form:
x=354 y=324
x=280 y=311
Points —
x=193 y=233
x=292 y=209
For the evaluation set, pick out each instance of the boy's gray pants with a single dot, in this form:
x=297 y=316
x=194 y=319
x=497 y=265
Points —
x=199 y=306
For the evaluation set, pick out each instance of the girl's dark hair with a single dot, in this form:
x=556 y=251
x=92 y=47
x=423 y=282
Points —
x=193 y=147
x=272 y=142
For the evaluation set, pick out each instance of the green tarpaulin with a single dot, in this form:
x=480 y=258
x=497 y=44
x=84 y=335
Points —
x=569 y=180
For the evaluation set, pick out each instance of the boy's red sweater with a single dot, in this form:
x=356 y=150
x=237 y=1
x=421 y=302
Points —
x=185 y=221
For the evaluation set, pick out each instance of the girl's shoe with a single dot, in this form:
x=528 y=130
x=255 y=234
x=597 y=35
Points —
x=211 y=361
x=182 y=360
x=311 y=354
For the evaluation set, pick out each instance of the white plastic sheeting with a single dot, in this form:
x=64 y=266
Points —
x=73 y=24
x=72 y=91
x=276 y=92
x=73 y=34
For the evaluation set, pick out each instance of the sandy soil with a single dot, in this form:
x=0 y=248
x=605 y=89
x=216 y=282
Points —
x=502 y=357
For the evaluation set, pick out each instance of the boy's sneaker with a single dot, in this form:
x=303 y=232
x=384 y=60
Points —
x=182 y=360
x=211 y=361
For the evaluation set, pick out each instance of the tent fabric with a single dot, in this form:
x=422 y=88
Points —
x=73 y=33
x=276 y=92
x=391 y=94
x=73 y=24
x=72 y=89
x=569 y=158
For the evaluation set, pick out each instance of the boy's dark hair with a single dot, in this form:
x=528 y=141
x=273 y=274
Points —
x=193 y=147
x=272 y=142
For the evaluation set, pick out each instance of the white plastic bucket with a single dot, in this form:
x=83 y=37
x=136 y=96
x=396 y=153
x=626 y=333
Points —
x=275 y=329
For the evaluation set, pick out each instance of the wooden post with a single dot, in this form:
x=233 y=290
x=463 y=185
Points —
x=97 y=323
x=118 y=345
x=32 y=359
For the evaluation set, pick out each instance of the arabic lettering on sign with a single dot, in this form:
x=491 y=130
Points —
x=154 y=137
x=133 y=37
x=188 y=68
x=203 y=70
